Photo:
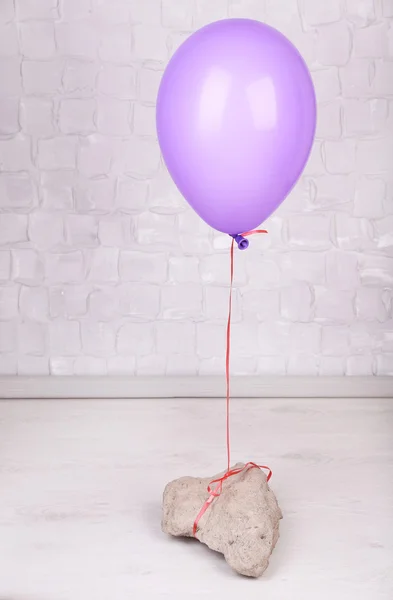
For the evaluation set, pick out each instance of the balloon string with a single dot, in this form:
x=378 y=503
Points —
x=216 y=491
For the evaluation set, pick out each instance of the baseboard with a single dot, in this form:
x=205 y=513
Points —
x=195 y=387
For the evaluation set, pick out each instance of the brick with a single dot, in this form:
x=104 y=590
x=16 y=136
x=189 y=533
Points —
x=131 y=195
x=271 y=365
x=334 y=306
x=384 y=365
x=253 y=10
x=57 y=153
x=68 y=301
x=147 y=12
x=9 y=120
x=334 y=44
x=95 y=156
x=174 y=40
x=154 y=364
x=207 y=12
x=65 y=268
x=336 y=191
x=72 y=10
x=318 y=13
x=9 y=296
x=37 y=40
x=369 y=198
x=141 y=302
x=369 y=41
x=390 y=41
x=36 y=116
x=115 y=46
x=177 y=16
x=359 y=366
x=340 y=156
x=217 y=302
x=95 y=195
x=183 y=269
x=136 y=339
x=305 y=338
x=213 y=366
x=13 y=228
x=8 y=338
x=77 y=115
x=98 y=339
x=17 y=191
x=210 y=340
x=46 y=230
x=355 y=78
x=383 y=81
x=64 y=338
x=215 y=269
x=155 y=229
x=104 y=265
x=376 y=270
x=360 y=12
x=331 y=366
x=311 y=233
x=370 y=305
x=31 y=338
x=297 y=302
x=342 y=270
x=33 y=365
x=81 y=231
x=282 y=14
x=31 y=9
x=5 y=265
x=195 y=234
x=118 y=81
x=374 y=156
x=364 y=116
x=329 y=121
x=10 y=77
x=149 y=43
x=103 y=304
x=148 y=83
x=387 y=8
x=303 y=365
x=181 y=301
x=8 y=362
x=273 y=338
x=80 y=77
x=42 y=77
x=262 y=272
x=110 y=13
x=302 y=266
x=315 y=165
x=163 y=196
x=175 y=337
x=141 y=266
x=6 y=11
x=382 y=335
x=121 y=365
x=27 y=266
x=114 y=116
x=34 y=303
x=335 y=340
x=145 y=120
x=15 y=154
x=244 y=339
x=384 y=234
x=8 y=40
x=115 y=231
x=57 y=190
x=61 y=365
x=352 y=233
x=177 y=364
x=90 y=365
x=77 y=39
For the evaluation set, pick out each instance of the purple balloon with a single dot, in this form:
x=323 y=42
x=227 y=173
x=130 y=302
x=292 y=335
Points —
x=236 y=116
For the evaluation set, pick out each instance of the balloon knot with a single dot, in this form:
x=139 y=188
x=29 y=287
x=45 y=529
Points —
x=242 y=243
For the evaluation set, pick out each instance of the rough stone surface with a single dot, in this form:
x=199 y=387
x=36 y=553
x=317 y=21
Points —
x=242 y=523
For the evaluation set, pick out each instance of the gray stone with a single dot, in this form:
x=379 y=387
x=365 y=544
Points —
x=242 y=523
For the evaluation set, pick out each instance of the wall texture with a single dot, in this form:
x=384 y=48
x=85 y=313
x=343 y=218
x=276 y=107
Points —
x=104 y=269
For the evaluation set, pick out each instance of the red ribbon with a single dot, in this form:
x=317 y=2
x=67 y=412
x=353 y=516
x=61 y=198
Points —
x=214 y=493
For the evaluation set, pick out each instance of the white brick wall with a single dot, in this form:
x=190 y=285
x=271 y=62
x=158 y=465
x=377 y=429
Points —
x=103 y=267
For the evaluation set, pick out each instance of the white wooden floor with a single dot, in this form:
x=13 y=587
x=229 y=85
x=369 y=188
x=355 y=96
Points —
x=81 y=484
